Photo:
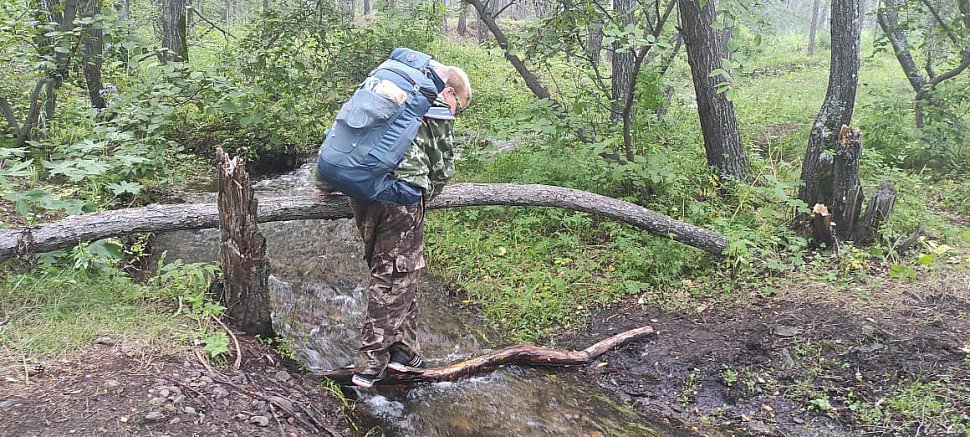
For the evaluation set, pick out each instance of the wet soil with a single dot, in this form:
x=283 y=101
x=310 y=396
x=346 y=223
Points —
x=113 y=390
x=798 y=364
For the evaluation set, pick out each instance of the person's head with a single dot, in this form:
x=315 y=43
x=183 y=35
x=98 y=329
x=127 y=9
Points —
x=458 y=90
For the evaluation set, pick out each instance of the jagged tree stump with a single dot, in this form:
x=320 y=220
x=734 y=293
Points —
x=840 y=177
x=245 y=268
x=847 y=193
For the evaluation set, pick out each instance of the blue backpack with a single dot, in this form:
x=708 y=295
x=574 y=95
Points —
x=375 y=128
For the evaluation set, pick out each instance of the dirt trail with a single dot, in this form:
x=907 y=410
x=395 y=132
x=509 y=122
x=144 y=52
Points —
x=113 y=390
x=815 y=361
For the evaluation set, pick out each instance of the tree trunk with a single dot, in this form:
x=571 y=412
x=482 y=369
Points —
x=63 y=13
x=847 y=193
x=839 y=98
x=124 y=8
x=366 y=7
x=719 y=125
x=347 y=9
x=462 y=27
x=622 y=62
x=93 y=55
x=814 y=29
x=172 y=22
x=245 y=268
x=594 y=41
x=482 y=16
x=521 y=355
x=157 y=218
x=888 y=18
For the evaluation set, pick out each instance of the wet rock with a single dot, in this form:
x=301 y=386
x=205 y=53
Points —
x=154 y=416
x=259 y=420
x=283 y=376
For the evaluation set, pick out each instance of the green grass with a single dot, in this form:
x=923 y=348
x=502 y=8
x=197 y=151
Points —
x=51 y=310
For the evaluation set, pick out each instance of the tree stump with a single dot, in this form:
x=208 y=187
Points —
x=245 y=268
x=847 y=193
x=822 y=226
x=877 y=211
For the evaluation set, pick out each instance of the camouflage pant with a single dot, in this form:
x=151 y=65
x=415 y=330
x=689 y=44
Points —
x=394 y=249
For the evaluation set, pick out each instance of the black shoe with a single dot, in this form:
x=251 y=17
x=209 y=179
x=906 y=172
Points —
x=364 y=380
x=404 y=361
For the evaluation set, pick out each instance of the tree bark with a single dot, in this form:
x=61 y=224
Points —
x=877 y=212
x=172 y=22
x=365 y=7
x=245 y=268
x=814 y=29
x=347 y=9
x=521 y=355
x=847 y=198
x=622 y=63
x=462 y=27
x=155 y=218
x=7 y=111
x=92 y=38
x=594 y=41
x=33 y=112
x=839 y=98
x=706 y=48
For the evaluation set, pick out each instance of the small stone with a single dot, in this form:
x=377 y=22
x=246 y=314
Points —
x=164 y=392
x=7 y=404
x=220 y=392
x=205 y=380
x=259 y=420
x=123 y=419
x=105 y=340
x=178 y=399
x=241 y=416
x=283 y=376
x=154 y=416
x=112 y=383
x=282 y=402
x=156 y=401
x=189 y=410
x=175 y=421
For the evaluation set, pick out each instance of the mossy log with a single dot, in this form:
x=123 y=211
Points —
x=520 y=355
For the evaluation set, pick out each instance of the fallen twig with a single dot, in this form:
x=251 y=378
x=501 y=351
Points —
x=235 y=342
x=524 y=355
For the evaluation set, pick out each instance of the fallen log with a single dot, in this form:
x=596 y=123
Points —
x=157 y=218
x=520 y=355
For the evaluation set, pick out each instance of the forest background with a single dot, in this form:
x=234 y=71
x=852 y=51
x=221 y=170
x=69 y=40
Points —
x=117 y=104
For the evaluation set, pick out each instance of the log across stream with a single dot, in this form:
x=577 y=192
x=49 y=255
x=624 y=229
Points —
x=157 y=218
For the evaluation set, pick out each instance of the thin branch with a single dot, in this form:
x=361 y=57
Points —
x=235 y=341
x=947 y=75
x=214 y=25
x=939 y=20
x=508 y=5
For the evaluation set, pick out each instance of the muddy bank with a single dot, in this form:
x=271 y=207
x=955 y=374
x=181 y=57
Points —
x=114 y=390
x=815 y=361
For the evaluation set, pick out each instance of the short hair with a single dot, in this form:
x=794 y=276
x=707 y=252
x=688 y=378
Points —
x=456 y=78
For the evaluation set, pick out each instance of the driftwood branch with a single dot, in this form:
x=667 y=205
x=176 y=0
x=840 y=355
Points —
x=521 y=355
x=156 y=218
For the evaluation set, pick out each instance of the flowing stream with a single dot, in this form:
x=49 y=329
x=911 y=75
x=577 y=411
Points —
x=317 y=295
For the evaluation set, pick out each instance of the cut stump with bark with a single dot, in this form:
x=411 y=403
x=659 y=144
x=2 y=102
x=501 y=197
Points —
x=520 y=355
x=822 y=226
x=243 y=250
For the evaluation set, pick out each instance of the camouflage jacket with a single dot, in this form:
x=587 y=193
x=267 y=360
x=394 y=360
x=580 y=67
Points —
x=429 y=163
